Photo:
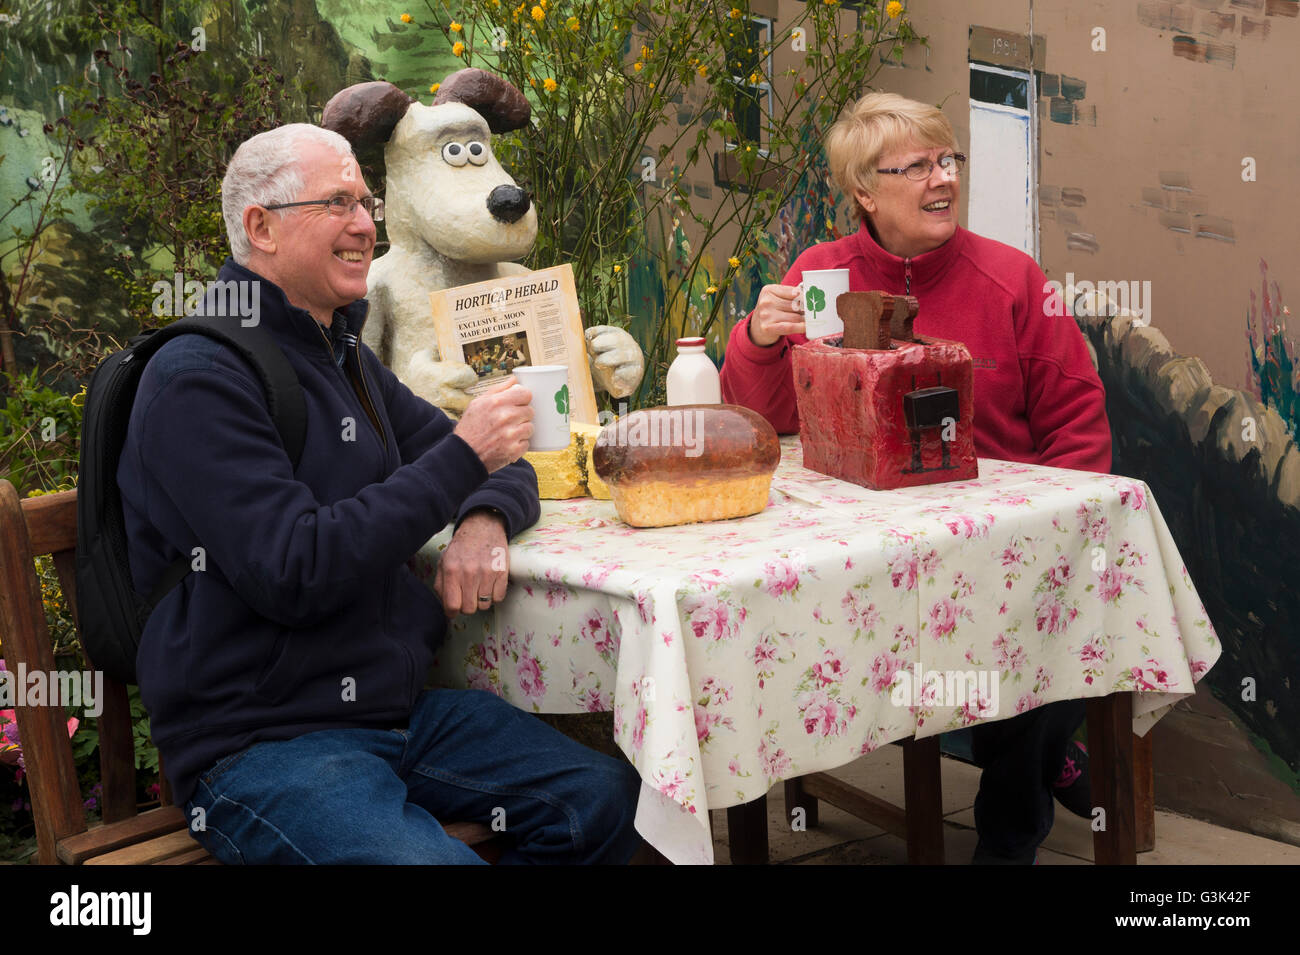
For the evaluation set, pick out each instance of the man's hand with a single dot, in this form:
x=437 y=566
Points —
x=779 y=312
x=498 y=424
x=466 y=580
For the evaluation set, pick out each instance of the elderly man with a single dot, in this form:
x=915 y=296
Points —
x=284 y=677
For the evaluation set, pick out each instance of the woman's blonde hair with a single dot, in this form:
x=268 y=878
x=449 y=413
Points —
x=875 y=125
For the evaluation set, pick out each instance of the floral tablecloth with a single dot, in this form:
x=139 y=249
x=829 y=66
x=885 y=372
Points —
x=738 y=653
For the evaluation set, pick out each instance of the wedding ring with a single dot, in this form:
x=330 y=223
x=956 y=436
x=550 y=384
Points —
x=485 y=600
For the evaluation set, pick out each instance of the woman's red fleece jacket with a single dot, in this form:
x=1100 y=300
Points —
x=1038 y=399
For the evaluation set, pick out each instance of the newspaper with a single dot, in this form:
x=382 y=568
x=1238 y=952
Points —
x=530 y=319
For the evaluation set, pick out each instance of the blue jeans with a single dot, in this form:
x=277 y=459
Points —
x=375 y=796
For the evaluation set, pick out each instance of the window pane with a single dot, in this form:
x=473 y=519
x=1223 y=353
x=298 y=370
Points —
x=749 y=112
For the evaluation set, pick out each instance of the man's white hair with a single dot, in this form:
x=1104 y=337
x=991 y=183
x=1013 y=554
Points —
x=263 y=172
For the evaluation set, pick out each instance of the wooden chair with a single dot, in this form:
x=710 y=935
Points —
x=48 y=525
x=1119 y=765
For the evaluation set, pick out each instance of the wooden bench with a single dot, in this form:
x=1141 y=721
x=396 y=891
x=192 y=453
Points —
x=48 y=525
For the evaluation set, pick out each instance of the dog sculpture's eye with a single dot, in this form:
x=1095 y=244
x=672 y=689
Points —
x=478 y=153
x=455 y=154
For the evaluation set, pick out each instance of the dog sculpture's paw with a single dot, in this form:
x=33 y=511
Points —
x=616 y=360
x=443 y=383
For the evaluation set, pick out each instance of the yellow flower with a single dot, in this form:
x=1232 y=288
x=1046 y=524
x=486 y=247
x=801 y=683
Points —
x=532 y=81
x=549 y=85
x=753 y=78
x=538 y=14
x=893 y=9
x=637 y=67
x=702 y=70
x=735 y=13
x=454 y=27
x=711 y=290
x=734 y=262
x=617 y=269
x=434 y=87
x=572 y=24
x=406 y=18
x=457 y=48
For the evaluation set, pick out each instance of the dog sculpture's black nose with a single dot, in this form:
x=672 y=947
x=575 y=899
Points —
x=507 y=203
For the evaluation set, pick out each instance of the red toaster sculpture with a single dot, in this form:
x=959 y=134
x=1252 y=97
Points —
x=881 y=406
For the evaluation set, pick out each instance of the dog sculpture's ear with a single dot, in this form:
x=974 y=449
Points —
x=495 y=99
x=365 y=114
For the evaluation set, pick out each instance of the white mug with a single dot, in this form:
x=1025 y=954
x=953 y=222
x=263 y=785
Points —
x=549 y=385
x=818 y=290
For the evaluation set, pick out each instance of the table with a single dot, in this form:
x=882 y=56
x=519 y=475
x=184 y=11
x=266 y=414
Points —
x=738 y=653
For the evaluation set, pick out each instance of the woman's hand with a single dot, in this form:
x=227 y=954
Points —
x=779 y=312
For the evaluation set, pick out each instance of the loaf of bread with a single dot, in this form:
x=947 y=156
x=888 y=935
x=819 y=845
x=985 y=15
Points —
x=687 y=463
x=568 y=472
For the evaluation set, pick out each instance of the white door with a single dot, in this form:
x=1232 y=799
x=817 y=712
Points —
x=1002 y=179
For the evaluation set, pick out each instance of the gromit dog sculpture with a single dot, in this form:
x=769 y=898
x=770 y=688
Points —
x=454 y=217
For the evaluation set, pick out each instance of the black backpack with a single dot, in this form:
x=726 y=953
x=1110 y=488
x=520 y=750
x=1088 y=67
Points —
x=110 y=612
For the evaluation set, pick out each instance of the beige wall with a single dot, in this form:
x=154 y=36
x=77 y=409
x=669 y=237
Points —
x=1156 y=114
x=1149 y=120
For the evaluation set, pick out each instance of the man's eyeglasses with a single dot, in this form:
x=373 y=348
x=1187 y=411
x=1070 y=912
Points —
x=341 y=205
x=923 y=168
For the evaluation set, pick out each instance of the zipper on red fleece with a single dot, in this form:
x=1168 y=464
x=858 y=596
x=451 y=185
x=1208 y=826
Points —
x=907 y=276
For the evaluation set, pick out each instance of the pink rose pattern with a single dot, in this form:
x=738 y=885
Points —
x=782 y=576
x=713 y=696
x=713 y=616
x=1031 y=586
x=860 y=612
x=602 y=636
x=823 y=706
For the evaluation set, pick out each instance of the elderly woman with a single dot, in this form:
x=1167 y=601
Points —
x=1037 y=397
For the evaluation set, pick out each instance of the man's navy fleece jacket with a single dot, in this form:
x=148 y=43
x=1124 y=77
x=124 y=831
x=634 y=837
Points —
x=305 y=585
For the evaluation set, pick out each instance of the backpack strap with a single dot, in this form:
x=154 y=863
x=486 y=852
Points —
x=280 y=383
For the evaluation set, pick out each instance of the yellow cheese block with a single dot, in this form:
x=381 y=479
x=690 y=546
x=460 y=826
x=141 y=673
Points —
x=561 y=474
x=569 y=472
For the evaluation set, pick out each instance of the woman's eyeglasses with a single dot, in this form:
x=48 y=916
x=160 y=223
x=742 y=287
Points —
x=923 y=168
